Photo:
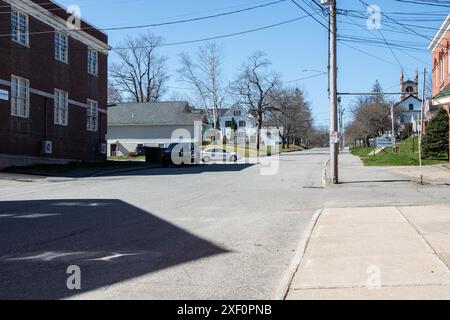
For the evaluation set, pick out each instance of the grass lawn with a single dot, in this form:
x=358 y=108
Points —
x=408 y=155
x=73 y=168
x=124 y=158
x=250 y=151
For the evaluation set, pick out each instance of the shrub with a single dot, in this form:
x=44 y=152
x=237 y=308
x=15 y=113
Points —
x=435 y=142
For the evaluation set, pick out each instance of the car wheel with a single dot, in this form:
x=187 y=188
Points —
x=234 y=159
x=206 y=159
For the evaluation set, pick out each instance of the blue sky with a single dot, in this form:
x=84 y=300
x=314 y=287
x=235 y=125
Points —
x=292 y=48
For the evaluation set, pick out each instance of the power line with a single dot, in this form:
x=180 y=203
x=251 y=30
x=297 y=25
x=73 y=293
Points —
x=400 y=24
x=160 y=24
x=309 y=14
x=180 y=42
x=305 y=78
x=223 y=36
x=425 y=3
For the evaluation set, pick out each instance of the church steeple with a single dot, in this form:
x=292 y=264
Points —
x=409 y=87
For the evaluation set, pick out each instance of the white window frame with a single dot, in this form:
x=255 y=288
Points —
x=61 y=108
x=448 y=62
x=92 y=63
x=19 y=34
x=441 y=63
x=436 y=75
x=92 y=115
x=60 y=54
x=22 y=111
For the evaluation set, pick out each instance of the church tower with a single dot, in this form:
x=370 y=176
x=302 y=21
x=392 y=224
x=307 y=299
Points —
x=409 y=87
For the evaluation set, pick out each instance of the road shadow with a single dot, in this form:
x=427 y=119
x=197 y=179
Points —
x=185 y=170
x=124 y=169
x=109 y=240
x=377 y=181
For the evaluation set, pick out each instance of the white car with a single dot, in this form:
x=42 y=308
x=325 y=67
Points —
x=215 y=154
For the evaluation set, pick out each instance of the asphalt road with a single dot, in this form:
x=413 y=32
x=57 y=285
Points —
x=203 y=232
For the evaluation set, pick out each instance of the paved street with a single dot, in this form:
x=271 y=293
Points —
x=207 y=232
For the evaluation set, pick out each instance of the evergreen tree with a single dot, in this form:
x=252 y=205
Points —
x=435 y=142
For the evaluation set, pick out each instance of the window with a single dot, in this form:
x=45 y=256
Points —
x=436 y=73
x=61 y=47
x=19 y=27
x=237 y=113
x=242 y=124
x=228 y=124
x=61 y=110
x=20 y=97
x=411 y=107
x=92 y=115
x=93 y=62
x=448 y=60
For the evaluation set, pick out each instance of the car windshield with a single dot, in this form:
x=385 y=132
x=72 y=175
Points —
x=182 y=145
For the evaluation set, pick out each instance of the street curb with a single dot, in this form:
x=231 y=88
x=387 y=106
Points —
x=283 y=288
x=106 y=173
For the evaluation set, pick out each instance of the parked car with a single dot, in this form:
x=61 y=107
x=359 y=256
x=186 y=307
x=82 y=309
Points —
x=179 y=154
x=140 y=150
x=214 y=154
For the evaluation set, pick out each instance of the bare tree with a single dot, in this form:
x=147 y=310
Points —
x=204 y=75
x=114 y=95
x=141 y=74
x=255 y=86
x=318 y=137
x=372 y=117
x=291 y=114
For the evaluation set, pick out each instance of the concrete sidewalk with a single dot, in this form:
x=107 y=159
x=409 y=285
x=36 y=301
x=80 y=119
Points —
x=437 y=174
x=377 y=253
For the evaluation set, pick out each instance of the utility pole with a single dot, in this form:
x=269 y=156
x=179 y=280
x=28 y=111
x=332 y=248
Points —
x=393 y=135
x=334 y=135
x=421 y=124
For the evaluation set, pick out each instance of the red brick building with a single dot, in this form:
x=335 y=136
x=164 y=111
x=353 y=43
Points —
x=440 y=48
x=53 y=85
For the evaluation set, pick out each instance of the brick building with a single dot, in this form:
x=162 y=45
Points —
x=440 y=48
x=53 y=85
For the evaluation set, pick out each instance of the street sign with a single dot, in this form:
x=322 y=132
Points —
x=4 y=95
x=334 y=137
x=385 y=141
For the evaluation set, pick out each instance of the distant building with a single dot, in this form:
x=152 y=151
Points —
x=53 y=86
x=152 y=124
x=410 y=104
x=440 y=48
x=245 y=124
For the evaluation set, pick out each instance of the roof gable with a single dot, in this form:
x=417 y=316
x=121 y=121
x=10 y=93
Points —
x=440 y=34
x=158 y=113
x=408 y=98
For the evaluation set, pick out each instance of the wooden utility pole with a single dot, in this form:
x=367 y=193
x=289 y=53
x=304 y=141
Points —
x=421 y=124
x=334 y=134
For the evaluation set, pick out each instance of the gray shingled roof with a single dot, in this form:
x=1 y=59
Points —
x=158 y=113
